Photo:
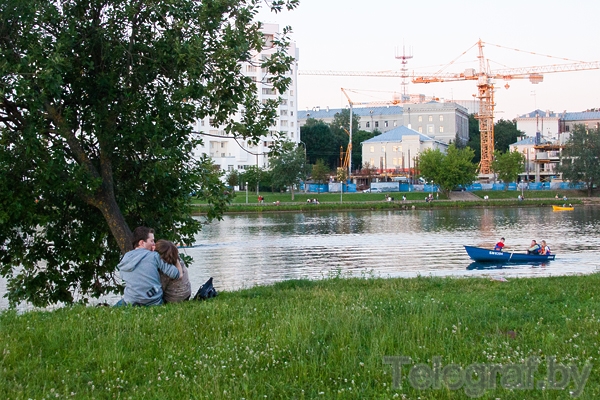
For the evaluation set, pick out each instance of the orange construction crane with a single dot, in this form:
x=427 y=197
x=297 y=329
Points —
x=485 y=85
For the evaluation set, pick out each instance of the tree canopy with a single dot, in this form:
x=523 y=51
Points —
x=508 y=166
x=505 y=134
x=97 y=101
x=323 y=141
x=580 y=158
x=288 y=167
x=448 y=170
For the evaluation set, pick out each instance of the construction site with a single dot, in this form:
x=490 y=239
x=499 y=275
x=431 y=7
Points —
x=542 y=155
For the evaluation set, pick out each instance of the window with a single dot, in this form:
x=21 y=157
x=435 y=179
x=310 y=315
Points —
x=430 y=129
x=420 y=129
x=431 y=118
x=420 y=118
x=284 y=123
x=283 y=112
x=202 y=123
x=222 y=144
x=292 y=123
x=230 y=168
x=394 y=123
x=385 y=124
x=368 y=125
x=441 y=118
x=292 y=113
x=441 y=129
x=372 y=150
x=383 y=149
x=394 y=161
x=292 y=103
x=268 y=91
x=376 y=124
x=284 y=102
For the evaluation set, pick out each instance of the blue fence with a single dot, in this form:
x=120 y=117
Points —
x=407 y=187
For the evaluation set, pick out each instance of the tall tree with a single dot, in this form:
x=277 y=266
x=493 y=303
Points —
x=320 y=172
x=288 y=167
x=474 y=138
x=320 y=143
x=97 y=101
x=505 y=134
x=508 y=166
x=448 y=170
x=580 y=159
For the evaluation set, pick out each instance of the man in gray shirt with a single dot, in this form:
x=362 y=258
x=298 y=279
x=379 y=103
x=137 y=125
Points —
x=139 y=269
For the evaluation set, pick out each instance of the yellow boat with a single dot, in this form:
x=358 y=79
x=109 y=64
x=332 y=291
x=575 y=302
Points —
x=562 y=208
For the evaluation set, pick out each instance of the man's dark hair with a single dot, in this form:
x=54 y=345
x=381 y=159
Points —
x=141 y=233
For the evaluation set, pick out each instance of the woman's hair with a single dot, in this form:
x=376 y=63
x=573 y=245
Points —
x=168 y=251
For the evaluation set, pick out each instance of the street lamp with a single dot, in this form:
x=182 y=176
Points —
x=246 y=192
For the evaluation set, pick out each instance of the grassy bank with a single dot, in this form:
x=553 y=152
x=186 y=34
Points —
x=307 y=339
x=377 y=201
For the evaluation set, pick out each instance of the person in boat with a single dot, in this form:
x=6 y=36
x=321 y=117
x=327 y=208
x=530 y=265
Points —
x=174 y=290
x=545 y=249
x=500 y=245
x=535 y=248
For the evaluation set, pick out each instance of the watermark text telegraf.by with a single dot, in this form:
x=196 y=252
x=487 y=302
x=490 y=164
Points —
x=475 y=379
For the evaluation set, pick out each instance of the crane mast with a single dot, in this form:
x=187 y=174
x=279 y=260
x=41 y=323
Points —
x=485 y=94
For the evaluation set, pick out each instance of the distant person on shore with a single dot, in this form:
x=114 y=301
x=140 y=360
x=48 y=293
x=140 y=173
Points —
x=535 y=248
x=545 y=249
x=140 y=270
x=500 y=245
x=174 y=290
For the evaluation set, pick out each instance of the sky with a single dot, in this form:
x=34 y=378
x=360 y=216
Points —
x=351 y=35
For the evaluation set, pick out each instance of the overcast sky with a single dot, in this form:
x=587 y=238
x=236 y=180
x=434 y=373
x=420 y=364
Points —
x=344 y=35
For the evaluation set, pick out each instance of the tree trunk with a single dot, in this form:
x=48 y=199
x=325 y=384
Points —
x=116 y=222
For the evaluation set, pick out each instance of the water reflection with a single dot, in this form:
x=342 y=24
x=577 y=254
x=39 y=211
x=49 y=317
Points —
x=480 y=265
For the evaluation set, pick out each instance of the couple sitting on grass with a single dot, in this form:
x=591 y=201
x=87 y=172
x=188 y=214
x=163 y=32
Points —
x=153 y=272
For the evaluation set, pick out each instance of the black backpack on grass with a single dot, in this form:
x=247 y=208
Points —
x=206 y=291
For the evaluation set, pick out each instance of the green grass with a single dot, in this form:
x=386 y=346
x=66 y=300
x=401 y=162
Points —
x=376 y=201
x=304 y=340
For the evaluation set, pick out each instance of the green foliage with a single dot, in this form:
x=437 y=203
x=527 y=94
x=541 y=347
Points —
x=97 y=101
x=288 y=167
x=320 y=143
x=580 y=159
x=448 y=170
x=320 y=172
x=254 y=176
x=505 y=134
x=323 y=141
x=233 y=178
x=474 y=138
x=508 y=166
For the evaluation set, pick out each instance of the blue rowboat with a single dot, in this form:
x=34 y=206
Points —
x=487 y=255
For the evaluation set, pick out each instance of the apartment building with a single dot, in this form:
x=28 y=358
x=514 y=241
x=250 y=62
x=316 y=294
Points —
x=236 y=154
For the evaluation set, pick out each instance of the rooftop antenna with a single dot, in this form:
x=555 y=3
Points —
x=404 y=71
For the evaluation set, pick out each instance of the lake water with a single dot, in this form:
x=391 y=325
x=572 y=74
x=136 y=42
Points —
x=253 y=249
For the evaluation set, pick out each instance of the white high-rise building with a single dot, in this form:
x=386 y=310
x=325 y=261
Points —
x=231 y=154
